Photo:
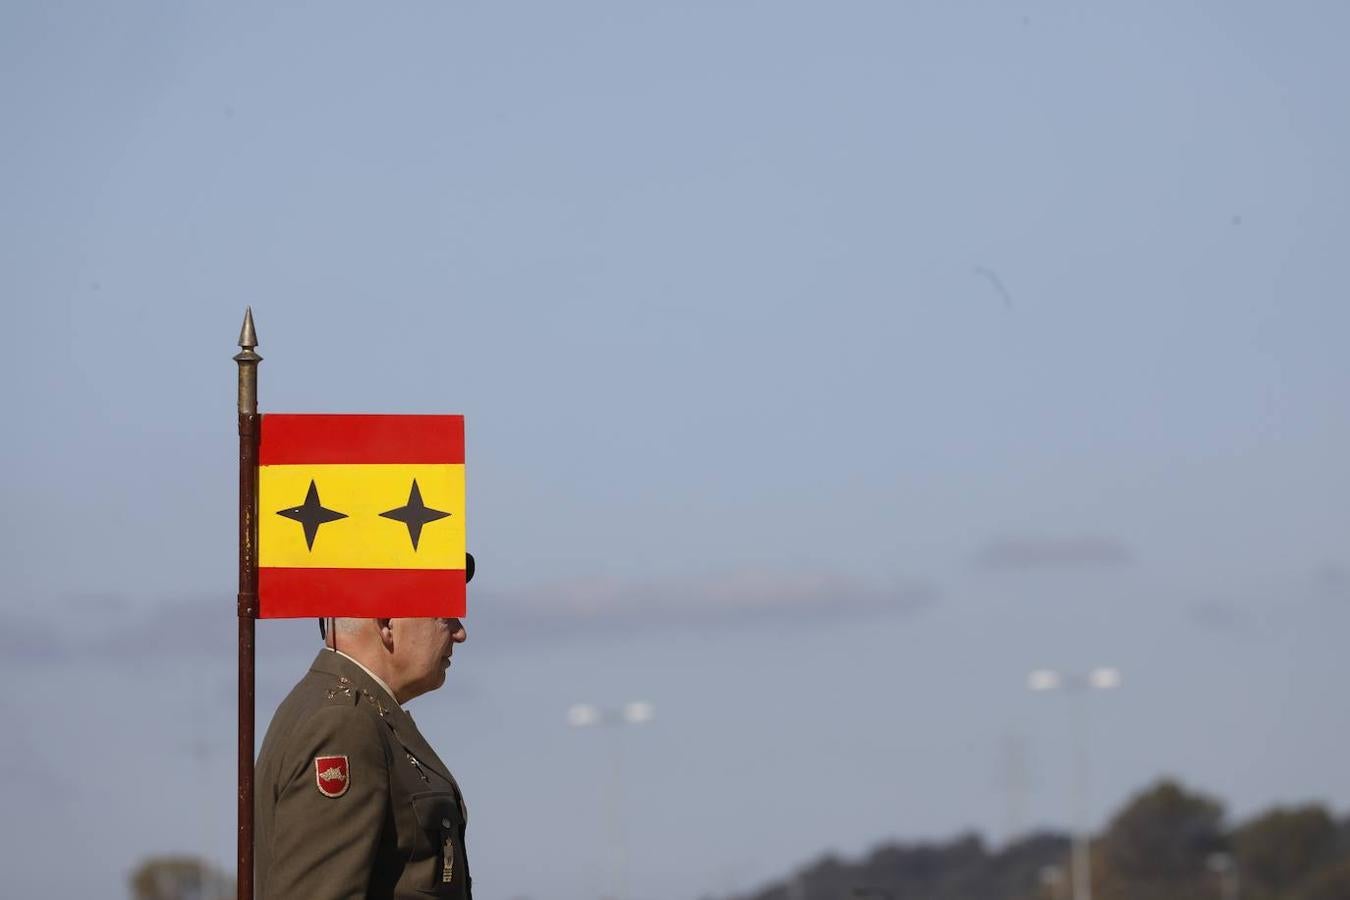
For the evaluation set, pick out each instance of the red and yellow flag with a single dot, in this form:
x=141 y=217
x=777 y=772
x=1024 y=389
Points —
x=361 y=515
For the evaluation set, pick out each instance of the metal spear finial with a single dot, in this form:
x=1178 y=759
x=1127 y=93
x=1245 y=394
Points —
x=248 y=338
x=248 y=361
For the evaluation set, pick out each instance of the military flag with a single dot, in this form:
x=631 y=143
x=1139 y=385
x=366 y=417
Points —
x=360 y=515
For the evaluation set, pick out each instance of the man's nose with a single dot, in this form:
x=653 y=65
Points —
x=457 y=632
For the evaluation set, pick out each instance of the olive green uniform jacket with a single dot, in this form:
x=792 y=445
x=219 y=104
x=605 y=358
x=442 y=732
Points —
x=390 y=826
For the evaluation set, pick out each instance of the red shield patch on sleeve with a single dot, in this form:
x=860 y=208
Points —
x=332 y=775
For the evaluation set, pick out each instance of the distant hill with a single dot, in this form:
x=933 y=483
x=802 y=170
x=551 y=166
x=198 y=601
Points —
x=1167 y=843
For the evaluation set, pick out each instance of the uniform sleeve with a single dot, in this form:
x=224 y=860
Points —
x=324 y=847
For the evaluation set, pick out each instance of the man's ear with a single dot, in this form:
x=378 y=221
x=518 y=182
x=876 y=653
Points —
x=386 y=627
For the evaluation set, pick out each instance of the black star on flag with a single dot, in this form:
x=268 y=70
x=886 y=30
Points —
x=414 y=514
x=311 y=514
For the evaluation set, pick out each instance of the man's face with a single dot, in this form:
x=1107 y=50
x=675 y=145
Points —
x=422 y=649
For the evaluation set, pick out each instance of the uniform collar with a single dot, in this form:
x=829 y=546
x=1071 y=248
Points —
x=373 y=677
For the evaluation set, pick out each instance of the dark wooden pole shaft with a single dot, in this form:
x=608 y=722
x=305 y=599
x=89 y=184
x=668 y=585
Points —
x=248 y=612
x=248 y=592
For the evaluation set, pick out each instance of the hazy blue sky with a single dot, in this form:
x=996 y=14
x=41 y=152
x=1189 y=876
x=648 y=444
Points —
x=827 y=367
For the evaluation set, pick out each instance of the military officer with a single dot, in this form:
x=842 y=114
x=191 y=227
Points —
x=350 y=800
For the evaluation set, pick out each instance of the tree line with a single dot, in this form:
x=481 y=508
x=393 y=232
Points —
x=1166 y=843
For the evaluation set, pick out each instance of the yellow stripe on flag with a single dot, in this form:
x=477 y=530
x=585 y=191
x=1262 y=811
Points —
x=363 y=539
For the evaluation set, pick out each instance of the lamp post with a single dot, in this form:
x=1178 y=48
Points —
x=1076 y=685
x=585 y=715
x=1223 y=865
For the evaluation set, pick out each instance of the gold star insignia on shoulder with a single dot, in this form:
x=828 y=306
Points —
x=379 y=706
x=343 y=686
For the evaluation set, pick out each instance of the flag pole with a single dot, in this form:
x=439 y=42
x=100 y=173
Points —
x=248 y=591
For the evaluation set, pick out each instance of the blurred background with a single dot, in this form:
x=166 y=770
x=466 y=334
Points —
x=902 y=436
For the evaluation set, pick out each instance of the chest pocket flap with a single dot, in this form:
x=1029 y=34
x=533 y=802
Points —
x=439 y=820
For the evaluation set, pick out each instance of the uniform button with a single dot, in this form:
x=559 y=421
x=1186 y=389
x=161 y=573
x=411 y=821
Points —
x=445 y=823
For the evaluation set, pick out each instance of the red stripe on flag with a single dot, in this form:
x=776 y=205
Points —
x=362 y=593
x=319 y=439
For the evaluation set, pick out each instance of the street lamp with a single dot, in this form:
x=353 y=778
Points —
x=586 y=715
x=579 y=715
x=1075 y=685
x=582 y=715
